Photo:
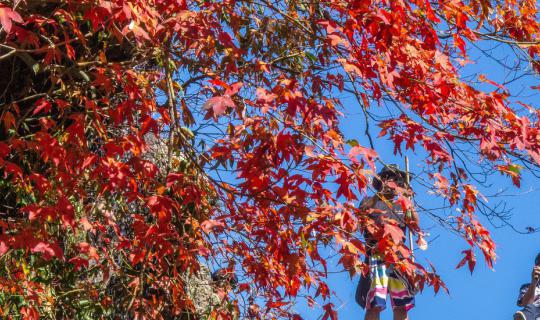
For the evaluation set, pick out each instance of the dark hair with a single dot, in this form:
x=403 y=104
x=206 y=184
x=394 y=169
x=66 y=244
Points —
x=537 y=260
x=390 y=171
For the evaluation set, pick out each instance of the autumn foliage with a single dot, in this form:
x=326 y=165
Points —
x=141 y=140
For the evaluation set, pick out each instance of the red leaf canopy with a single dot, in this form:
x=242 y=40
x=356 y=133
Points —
x=145 y=142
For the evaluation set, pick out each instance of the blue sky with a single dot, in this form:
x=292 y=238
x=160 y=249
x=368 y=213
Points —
x=486 y=294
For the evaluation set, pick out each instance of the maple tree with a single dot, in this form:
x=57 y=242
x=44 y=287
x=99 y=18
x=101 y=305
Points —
x=141 y=140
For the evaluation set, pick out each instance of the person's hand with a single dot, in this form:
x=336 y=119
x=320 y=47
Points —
x=536 y=274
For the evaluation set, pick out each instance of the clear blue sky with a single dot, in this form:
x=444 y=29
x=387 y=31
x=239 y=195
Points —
x=486 y=294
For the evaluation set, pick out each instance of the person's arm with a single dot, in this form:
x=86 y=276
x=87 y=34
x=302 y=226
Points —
x=529 y=296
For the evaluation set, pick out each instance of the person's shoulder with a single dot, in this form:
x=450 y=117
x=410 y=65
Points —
x=524 y=286
x=368 y=202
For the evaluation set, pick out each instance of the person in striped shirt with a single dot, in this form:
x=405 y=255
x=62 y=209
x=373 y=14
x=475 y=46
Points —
x=383 y=279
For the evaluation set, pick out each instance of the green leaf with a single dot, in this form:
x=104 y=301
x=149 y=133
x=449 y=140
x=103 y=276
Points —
x=311 y=57
x=516 y=168
x=353 y=143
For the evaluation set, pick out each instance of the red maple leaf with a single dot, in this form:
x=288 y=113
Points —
x=394 y=232
x=219 y=105
x=7 y=16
